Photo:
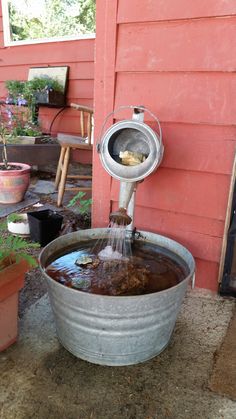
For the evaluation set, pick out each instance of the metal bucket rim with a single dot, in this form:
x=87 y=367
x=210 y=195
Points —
x=111 y=297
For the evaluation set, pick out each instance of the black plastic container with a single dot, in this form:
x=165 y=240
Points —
x=44 y=226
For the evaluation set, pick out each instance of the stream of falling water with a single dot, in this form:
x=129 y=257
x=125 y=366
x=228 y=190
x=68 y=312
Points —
x=117 y=245
x=117 y=252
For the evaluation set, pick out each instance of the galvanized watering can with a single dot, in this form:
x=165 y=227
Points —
x=135 y=136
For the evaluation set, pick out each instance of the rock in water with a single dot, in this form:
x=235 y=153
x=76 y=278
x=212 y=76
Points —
x=83 y=261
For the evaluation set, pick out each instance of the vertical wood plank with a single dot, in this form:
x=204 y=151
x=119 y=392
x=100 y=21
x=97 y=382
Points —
x=227 y=221
x=104 y=102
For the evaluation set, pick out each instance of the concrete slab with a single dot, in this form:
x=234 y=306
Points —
x=47 y=187
x=44 y=187
x=40 y=379
x=30 y=199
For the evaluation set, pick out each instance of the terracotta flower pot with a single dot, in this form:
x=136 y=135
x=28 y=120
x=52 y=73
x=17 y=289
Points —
x=11 y=281
x=14 y=183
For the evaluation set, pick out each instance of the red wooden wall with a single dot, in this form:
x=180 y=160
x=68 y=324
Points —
x=15 y=62
x=177 y=58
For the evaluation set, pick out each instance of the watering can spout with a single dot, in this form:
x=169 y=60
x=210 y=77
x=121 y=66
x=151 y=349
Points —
x=126 y=197
x=126 y=191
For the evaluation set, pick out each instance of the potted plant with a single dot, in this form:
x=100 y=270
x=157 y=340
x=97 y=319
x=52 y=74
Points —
x=18 y=224
x=45 y=90
x=38 y=90
x=14 y=177
x=18 y=125
x=14 y=263
x=20 y=117
x=21 y=112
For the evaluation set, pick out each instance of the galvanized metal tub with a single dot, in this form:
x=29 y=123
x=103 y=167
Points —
x=111 y=330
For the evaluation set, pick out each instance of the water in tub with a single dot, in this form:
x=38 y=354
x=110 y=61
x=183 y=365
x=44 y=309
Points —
x=111 y=267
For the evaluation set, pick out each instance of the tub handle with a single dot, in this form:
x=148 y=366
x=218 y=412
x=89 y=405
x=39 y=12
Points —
x=141 y=108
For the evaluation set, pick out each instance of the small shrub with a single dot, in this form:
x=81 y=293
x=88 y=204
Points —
x=83 y=204
x=15 y=248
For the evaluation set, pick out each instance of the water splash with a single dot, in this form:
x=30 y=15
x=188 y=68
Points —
x=115 y=246
x=108 y=253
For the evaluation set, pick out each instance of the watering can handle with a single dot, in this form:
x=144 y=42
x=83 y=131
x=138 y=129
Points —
x=130 y=107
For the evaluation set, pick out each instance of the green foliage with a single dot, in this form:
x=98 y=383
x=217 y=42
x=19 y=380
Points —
x=56 y=18
x=38 y=84
x=24 y=92
x=14 y=218
x=15 y=87
x=15 y=248
x=22 y=129
x=84 y=204
x=27 y=89
x=15 y=124
x=86 y=17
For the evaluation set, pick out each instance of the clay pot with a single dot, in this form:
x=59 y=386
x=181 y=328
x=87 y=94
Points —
x=14 y=183
x=11 y=281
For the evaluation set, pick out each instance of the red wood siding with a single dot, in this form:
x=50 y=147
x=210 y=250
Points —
x=155 y=10
x=189 y=97
x=170 y=45
x=78 y=55
x=178 y=59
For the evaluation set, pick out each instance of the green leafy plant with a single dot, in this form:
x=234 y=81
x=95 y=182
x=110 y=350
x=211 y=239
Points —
x=15 y=88
x=38 y=84
x=8 y=136
x=84 y=204
x=20 y=127
x=18 y=120
x=28 y=93
x=27 y=89
x=14 y=249
x=14 y=218
x=25 y=131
